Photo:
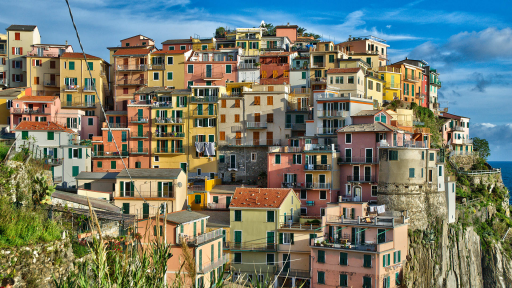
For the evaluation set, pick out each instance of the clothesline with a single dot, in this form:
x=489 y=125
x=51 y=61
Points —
x=207 y=147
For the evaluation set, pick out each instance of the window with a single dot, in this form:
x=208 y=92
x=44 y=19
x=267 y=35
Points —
x=253 y=157
x=222 y=136
x=374 y=191
x=237 y=103
x=124 y=136
x=350 y=80
x=397 y=258
x=237 y=118
x=277 y=159
x=321 y=276
x=323 y=195
x=393 y=155
x=156 y=76
x=270 y=118
x=237 y=259
x=370 y=85
x=367 y=261
x=432 y=155
x=71 y=65
x=113 y=165
x=169 y=76
x=228 y=69
x=422 y=155
x=256 y=100
x=379 y=87
x=440 y=171
x=270 y=100
x=99 y=164
x=348 y=138
x=50 y=136
x=343 y=258
x=90 y=66
x=411 y=172
x=222 y=118
x=90 y=121
x=215 y=199
x=17 y=36
x=222 y=158
x=367 y=282
x=270 y=259
x=138 y=164
x=17 y=50
x=321 y=256
x=204 y=47
x=270 y=216
x=157 y=158
x=190 y=68
x=183 y=47
x=303 y=75
x=125 y=90
x=171 y=48
x=189 y=84
x=238 y=215
x=297 y=159
x=386 y=260
x=286 y=238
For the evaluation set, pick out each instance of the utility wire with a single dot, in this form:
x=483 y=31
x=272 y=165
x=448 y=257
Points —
x=101 y=106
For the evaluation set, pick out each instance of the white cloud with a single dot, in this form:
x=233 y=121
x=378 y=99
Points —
x=488 y=125
x=388 y=26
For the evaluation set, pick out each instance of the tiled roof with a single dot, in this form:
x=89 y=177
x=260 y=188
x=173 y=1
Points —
x=286 y=26
x=176 y=41
x=373 y=127
x=171 y=173
x=366 y=113
x=38 y=98
x=21 y=28
x=77 y=55
x=184 y=216
x=343 y=70
x=217 y=218
x=272 y=54
x=170 y=52
x=84 y=200
x=146 y=38
x=96 y=175
x=134 y=51
x=11 y=92
x=259 y=197
x=47 y=126
x=452 y=116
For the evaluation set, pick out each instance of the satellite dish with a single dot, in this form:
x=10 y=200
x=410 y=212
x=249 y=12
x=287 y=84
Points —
x=179 y=184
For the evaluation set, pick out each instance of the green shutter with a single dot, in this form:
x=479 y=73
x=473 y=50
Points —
x=126 y=208
x=384 y=260
x=112 y=164
x=70 y=153
x=72 y=66
x=76 y=171
x=159 y=189
x=343 y=258
x=399 y=256
x=353 y=213
x=51 y=136
x=280 y=238
x=292 y=238
x=79 y=153
x=228 y=68
x=411 y=172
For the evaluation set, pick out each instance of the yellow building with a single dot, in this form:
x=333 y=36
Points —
x=249 y=39
x=322 y=58
x=6 y=97
x=3 y=61
x=372 y=60
x=167 y=68
x=77 y=87
x=374 y=87
x=203 y=44
x=392 y=77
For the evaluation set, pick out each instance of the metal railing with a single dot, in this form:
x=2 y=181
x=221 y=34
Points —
x=205 y=112
x=358 y=160
x=137 y=135
x=204 y=99
x=51 y=83
x=149 y=194
x=3 y=51
x=115 y=125
x=256 y=125
x=392 y=85
x=167 y=150
x=28 y=111
x=435 y=82
x=319 y=80
x=284 y=149
x=370 y=220
x=169 y=134
x=190 y=240
x=53 y=161
x=481 y=172
x=331 y=113
x=411 y=78
x=138 y=119
x=291 y=185
x=78 y=104
x=162 y=104
x=213 y=265
x=131 y=81
x=217 y=206
x=109 y=154
x=406 y=144
x=317 y=167
x=132 y=67
x=362 y=179
x=317 y=64
x=157 y=66
x=326 y=130
x=248 y=66
x=139 y=150
x=212 y=75
x=320 y=147
x=254 y=142
x=287 y=272
x=90 y=88
x=162 y=120
x=249 y=246
x=71 y=87
x=231 y=94
x=316 y=185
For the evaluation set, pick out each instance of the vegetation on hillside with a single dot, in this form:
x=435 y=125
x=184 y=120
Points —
x=482 y=147
x=431 y=121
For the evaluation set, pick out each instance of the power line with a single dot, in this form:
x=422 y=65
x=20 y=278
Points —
x=101 y=105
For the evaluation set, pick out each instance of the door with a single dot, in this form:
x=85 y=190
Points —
x=69 y=99
x=270 y=136
x=208 y=70
x=309 y=180
x=232 y=161
x=256 y=138
x=238 y=138
x=367 y=174
x=356 y=173
x=381 y=236
x=348 y=155
x=357 y=193
x=145 y=210
x=270 y=240
x=394 y=140
x=286 y=262
x=140 y=131
x=139 y=114
x=139 y=146
x=321 y=180
x=238 y=239
x=429 y=175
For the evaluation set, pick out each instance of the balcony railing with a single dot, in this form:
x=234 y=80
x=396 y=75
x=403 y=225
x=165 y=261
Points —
x=78 y=104
x=290 y=185
x=3 y=51
x=167 y=150
x=139 y=150
x=71 y=87
x=392 y=85
x=169 y=134
x=50 y=83
x=287 y=272
x=302 y=226
x=131 y=81
x=358 y=160
x=53 y=161
x=248 y=66
x=295 y=126
x=217 y=206
x=138 y=119
x=362 y=179
x=317 y=167
x=326 y=130
x=250 y=246
x=204 y=99
x=231 y=94
x=205 y=112
x=319 y=80
x=302 y=90
x=254 y=142
x=132 y=67
x=317 y=65
x=212 y=75
x=104 y=154
x=256 y=125
x=162 y=120
x=137 y=135
x=406 y=144
x=161 y=104
x=320 y=147
x=190 y=240
x=89 y=88
x=284 y=149
x=28 y=111
x=115 y=125
x=370 y=220
x=411 y=78
x=458 y=128
x=213 y=265
x=148 y=194
x=331 y=113
x=435 y=82
x=157 y=66
x=316 y=185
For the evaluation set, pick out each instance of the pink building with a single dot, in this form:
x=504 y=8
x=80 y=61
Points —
x=177 y=44
x=288 y=30
x=105 y=156
x=212 y=67
x=306 y=167
x=359 y=144
x=455 y=133
x=137 y=40
x=360 y=247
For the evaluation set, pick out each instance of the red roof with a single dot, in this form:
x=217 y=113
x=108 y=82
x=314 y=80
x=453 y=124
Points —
x=259 y=197
x=343 y=70
x=46 y=126
x=271 y=54
x=134 y=51
x=79 y=56
x=38 y=98
x=170 y=52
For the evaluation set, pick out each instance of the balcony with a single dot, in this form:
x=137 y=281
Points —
x=406 y=144
x=231 y=94
x=169 y=134
x=139 y=150
x=167 y=150
x=53 y=161
x=200 y=239
x=156 y=67
x=302 y=91
x=3 y=51
x=250 y=246
x=317 y=167
x=295 y=126
x=418 y=123
x=358 y=160
x=290 y=185
x=139 y=136
x=248 y=66
x=205 y=113
x=287 y=272
x=284 y=149
x=318 y=65
x=247 y=37
x=256 y=125
x=131 y=81
x=115 y=125
x=390 y=221
x=29 y=111
x=362 y=179
x=317 y=185
x=204 y=99
x=103 y=154
x=49 y=83
x=320 y=148
x=213 y=265
x=392 y=85
x=411 y=78
x=435 y=82
x=319 y=80
x=251 y=143
x=212 y=75
x=344 y=244
x=217 y=206
x=162 y=120
x=71 y=88
x=458 y=128
x=78 y=104
x=140 y=120
x=156 y=104
x=331 y=113
x=326 y=130
x=132 y=67
x=147 y=194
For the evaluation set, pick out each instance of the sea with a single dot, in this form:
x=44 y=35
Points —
x=506 y=174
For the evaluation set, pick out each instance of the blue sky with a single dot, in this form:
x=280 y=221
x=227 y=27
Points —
x=469 y=43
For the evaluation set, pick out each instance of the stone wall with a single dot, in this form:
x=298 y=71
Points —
x=423 y=202
x=33 y=266
x=464 y=161
x=248 y=171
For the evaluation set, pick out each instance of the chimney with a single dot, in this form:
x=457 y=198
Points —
x=66 y=42
x=405 y=58
x=288 y=24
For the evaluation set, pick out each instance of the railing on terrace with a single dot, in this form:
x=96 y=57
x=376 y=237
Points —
x=131 y=81
x=320 y=147
x=362 y=179
x=331 y=113
x=303 y=67
x=50 y=83
x=28 y=111
x=134 y=67
x=302 y=90
x=109 y=154
x=284 y=149
x=205 y=112
x=191 y=240
x=370 y=220
x=319 y=80
x=78 y=104
x=254 y=142
x=435 y=82
x=411 y=78
x=418 y=123
x=318 y=65
x=326 y=130
x=406 y=144
x=162 y=120
x=481 y=172
x=217 y=206
x=3 y=51
x=316 y=185
x=212 y=75
x=90 y=88
x=295 y=107
x=148 y=194
x=115 y=125
x=139 y=135
x=138 y=119
x=256 y=125
x=139 y=150
x=162 y=104
x=458 y=128
x=297 y=225
x=392 y=85
x=213 y=265
x=167 y=150
x=169 y=134
x=389 y=69
x=250 y=246
x=295 y=126
x=248 y=66
x=203 y=99
x=71 y=87
x=157 y=66
x=231 y=94
x=287 y=272
x=344 y=243
x=53 y=161
x=291 y=185
x=358 y=160
x=317 y=167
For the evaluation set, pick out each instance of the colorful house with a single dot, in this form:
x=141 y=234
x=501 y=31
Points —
x=323 y=57
x=211 y=67
x=20 y=39
x=6 y=98
x=370 y=49
x=249 y=39
x=166 y=68
x=275 y=67
x=411 y=79
x=455 y=132
x=392 y=86
x=3 y=62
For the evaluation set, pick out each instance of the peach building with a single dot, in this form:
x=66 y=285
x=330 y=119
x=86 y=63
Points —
x=275 y=67
x=189 y=227
x=287 y=30
x=106 y=156
x=363 y=245
x=455 y=132
x=212 y=67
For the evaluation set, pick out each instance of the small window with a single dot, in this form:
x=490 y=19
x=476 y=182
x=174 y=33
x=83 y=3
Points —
x=50 y=135
x=411 y=172
x=222 y=158
x=323 y=195
x=321 y=275
x=157 y=158
x=374 y=191
x=183 y=47
x=277 y=159
x=237 y=258
x=270 y=259
x=90 y=121
x=348 y=138
x=303 y=194
x=238 y=215
x=253 y=157
x=190 y=69
x=171 y=48
x=156 y=76
x=321 y=256
x=270 y=216
x=99 y=164
x=393 y=155
x=169 y=76
x=432 y=156
x=113 y=164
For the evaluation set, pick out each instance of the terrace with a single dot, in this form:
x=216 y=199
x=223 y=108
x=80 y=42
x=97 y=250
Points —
x=139 y=150
x=147 y=194
x=358 y=160
x=250 y=246
x=362 y=179
x=200 y=239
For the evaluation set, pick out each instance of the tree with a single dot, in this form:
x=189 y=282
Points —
x=482 y=146
x=271 y=30
x=220 y=32
x=315 y=36
x=301 y=31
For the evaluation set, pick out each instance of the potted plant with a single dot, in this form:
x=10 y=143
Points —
x=257 y=64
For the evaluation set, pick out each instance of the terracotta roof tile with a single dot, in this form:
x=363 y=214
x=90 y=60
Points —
x=271 y=54
x=77 y=55
x=366 y=113
x=38 y=98
x=259 y=197
x=343 y=70
x=134 y=51
x=47 y=126
x=170 y=52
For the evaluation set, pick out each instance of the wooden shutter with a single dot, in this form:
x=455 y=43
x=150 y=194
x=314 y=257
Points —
x=270 y=100
x=256 y=100
x=222 y=136
x=223 y=103
x=270 y=118
x=223 y=118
